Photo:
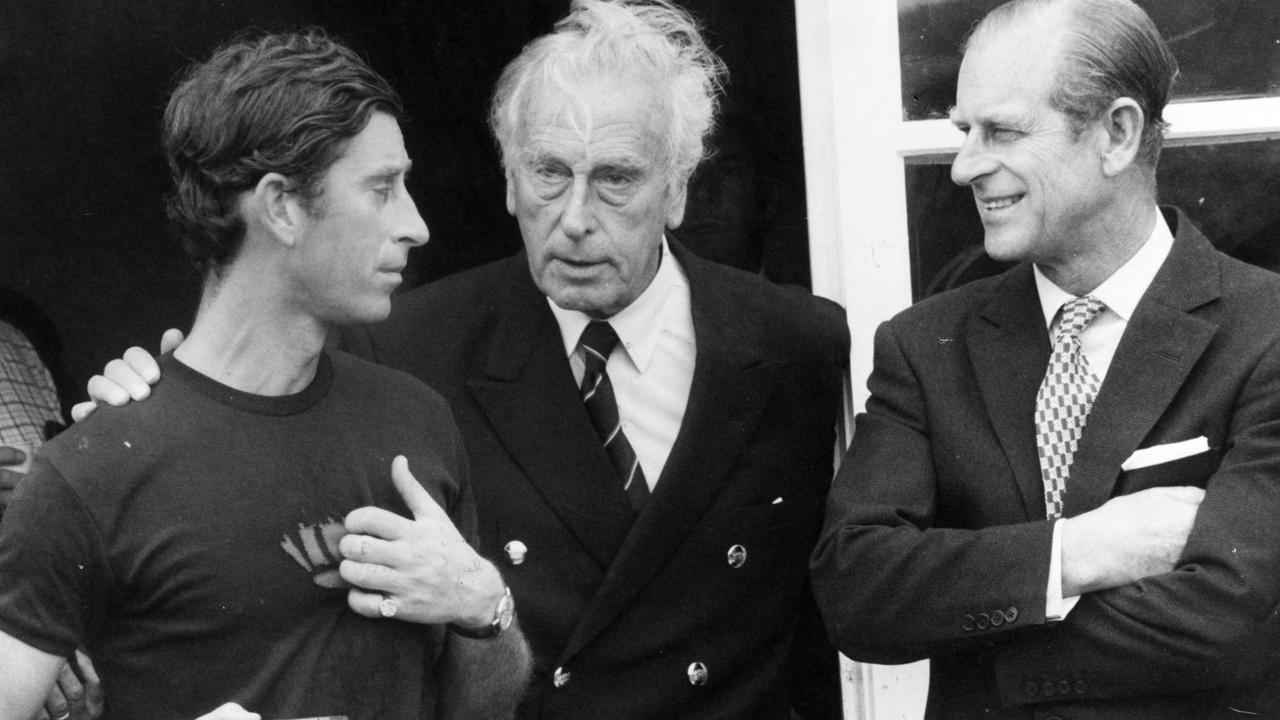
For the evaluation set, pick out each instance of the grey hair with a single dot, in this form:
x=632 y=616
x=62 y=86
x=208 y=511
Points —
x=652 y=40
x=1110 y=49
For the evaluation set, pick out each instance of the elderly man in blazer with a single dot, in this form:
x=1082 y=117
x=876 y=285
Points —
x=686 y=593
x=651 y=435
x=1064 y=489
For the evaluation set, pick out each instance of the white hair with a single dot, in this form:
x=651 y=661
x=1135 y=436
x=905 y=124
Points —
x=648 y=40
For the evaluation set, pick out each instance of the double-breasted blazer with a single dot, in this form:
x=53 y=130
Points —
x=936 y=543
x=693 y=608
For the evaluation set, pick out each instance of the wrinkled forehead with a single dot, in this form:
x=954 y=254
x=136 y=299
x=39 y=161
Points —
x=597 y=112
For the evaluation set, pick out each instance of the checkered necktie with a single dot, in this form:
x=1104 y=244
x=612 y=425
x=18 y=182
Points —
x=1063 y=403
x=597 y=342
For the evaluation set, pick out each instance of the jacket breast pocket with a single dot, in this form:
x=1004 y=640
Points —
x=1192 y=470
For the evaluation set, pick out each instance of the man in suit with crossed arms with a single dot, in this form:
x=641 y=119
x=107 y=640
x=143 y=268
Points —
x=1120 y=383
x=650 y=434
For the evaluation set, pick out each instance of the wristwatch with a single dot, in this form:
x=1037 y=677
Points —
x=503 y=614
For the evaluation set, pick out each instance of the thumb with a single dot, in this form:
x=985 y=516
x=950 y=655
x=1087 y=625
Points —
x=420 y=503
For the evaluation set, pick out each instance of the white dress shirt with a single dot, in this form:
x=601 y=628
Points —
x=1099 y=339
x=651 y=368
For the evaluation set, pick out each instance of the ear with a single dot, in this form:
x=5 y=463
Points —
x=278 y=208
x=511 y=193
x=677 y=195
x=1123 y=123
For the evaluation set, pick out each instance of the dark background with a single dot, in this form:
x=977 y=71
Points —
x=83 y=85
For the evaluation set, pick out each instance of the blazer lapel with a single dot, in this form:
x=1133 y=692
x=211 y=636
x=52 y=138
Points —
x=1161 y=344
x=731 y=387
x=526 y=391
x=1009 y=347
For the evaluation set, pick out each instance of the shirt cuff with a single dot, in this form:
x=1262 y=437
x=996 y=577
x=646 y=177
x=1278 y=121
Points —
x=1056 y=607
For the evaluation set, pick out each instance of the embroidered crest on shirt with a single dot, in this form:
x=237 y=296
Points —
x=315 y=548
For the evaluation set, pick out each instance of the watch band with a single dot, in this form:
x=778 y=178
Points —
x=503 y=614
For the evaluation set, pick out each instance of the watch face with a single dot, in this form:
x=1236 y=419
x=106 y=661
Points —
x=502 y=617
x=506 y=611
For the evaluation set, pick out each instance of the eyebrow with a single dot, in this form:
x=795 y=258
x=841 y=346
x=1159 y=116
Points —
x=997 y=117
x=388 y=171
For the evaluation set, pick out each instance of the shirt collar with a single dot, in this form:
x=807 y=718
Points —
x=638 y=325
x=1126 y=286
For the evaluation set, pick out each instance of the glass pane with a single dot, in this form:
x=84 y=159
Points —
x=1226 y=48
x=1228 y=191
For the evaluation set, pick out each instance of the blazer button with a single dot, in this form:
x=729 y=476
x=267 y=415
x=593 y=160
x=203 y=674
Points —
x=1032 y=688
x=560 y=677
x=1011 y=615
x=997 y=618
x=737 y=556
x=968 y=624
x=1064 y=686
x=1080 y=687
x=1047 y=689
x=515 y=551
x=697 y=674
x=984 y=621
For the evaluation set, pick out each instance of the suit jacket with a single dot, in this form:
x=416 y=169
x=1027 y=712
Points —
x=936 y=545
x=645 y=617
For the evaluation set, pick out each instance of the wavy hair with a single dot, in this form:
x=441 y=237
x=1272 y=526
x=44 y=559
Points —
x=286 y=103
x=648 y=40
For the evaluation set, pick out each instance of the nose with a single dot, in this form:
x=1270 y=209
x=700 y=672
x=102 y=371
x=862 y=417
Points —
x=410 y=228
x=579 y=215
x=972 y=162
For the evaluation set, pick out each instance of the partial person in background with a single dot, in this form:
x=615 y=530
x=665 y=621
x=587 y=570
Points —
x=32 y=386
x=29 y=409
x=651 y=434
x=1065 y=489
x=195 y=543
x=30 y=414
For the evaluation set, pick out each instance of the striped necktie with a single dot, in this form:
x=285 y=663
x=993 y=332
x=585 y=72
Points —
x=1063 y=402
x=598 y=341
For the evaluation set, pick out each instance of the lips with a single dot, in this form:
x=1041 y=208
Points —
x=993 y=204
x=578 y=263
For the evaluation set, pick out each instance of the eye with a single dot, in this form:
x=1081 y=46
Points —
x=383 y=192
x=1004 y=134
x=548 y=171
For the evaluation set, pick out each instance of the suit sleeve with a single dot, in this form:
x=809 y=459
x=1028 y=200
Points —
x=1209 y=623
x=893 y=587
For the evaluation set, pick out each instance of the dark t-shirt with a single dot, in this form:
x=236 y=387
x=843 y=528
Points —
x=190 y=541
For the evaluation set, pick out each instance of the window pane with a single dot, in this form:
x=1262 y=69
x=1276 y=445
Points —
x=1226 y=48
x=1228 y=191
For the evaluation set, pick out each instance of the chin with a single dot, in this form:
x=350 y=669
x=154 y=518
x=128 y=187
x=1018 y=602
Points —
x=370 y=313
x=1003 y=247
x=583 y=304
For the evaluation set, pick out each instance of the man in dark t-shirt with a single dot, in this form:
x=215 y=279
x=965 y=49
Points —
x=217 y=548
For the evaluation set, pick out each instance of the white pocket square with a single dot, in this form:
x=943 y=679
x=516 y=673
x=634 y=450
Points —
x=1169 y=452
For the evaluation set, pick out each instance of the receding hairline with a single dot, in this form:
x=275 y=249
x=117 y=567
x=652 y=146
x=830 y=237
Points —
x=1039 y=25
